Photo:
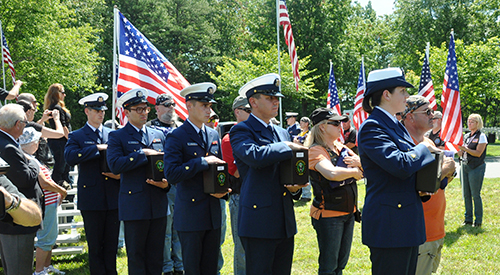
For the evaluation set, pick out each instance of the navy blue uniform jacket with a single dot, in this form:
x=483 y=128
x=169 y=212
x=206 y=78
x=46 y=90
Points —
x=392 y=213
x=266 y=206
x=194 y=210
x=95 y=191
x=137 y=199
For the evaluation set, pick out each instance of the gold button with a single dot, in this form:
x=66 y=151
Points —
x=135 y=150
x=130 y=192
x=207 y=154
x=413 y=155
x=284 y=194
x=399 y=205
x=106 y=178
x=254 y=206
x=85 y=186
x=187 y=167
x=79 y=155
x=195 y=153
x=131 y=159
x=193 y=200
x=216 y=152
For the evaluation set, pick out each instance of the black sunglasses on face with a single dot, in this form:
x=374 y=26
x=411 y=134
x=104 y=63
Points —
x=334 y=123
x=427 y=112
x=248 y=110
x=169 y=104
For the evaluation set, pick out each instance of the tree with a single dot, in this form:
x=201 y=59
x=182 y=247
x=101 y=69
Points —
x=234 y=73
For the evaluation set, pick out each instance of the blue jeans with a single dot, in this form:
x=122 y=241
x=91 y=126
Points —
x=172 y=253
x=334 y=240
x=220 y=262
x=48 y=235
x=472 y=182
x=239 y=252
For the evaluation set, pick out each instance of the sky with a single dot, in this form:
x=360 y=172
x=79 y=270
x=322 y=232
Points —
x=380 y=6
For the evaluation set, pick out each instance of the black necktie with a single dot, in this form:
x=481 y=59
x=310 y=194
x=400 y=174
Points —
x=202 y=136
x=275 y=136
x=99 y=138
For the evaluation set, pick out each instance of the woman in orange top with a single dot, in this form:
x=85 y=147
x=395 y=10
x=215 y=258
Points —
x=334 y=169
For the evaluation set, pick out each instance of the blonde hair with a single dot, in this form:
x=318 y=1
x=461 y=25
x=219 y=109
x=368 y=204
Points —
x=316 y=136
x=52 y=97
x=478 y=119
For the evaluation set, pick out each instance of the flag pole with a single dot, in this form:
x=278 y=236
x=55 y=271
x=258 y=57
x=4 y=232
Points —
x=427 y=49
x=115 y=43
x=279 y=60
x=3 y=64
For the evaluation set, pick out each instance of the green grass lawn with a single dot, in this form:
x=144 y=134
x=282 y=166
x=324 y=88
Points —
x=493 y=149
x=467 y=250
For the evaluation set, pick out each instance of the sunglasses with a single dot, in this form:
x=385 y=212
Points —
x=334 y=123
x=427 y=112
x=141 y=110
x=211 y=120
x=169 y=104
x=248 y=110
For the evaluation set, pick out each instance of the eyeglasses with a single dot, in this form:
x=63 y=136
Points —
x=334 y=123
x=427 y=112
x=169 y=104
x=211 y=120
x=23 y=121
x=141 y=110
x=399 y=114
x=248 y=110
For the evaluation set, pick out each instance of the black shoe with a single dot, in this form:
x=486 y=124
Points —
x=168 y=273
x=477 y=224
x=179 y=272
x=467 y=223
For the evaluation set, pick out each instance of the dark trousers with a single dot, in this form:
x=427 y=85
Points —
x=200 y=251
x=144 y=240
x=61 y=168
x=396 y=261
x=17 y=253
x=268 y=256
x=101 y=229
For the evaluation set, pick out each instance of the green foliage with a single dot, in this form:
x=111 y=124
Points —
x=234 y=73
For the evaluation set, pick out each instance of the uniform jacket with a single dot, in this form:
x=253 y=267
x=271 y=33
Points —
x=293 y=130
x=266 y=206
x=184 y=166
x=392 y=213
x=137 y=199
x=95 y=191
x=23 y=173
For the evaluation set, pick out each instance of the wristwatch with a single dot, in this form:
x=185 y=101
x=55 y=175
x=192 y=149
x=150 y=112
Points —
x=16 y=202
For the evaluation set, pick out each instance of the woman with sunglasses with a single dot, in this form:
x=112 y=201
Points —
x=54 y=100
x=333 y=169
x=472 y=169
x=393 y=219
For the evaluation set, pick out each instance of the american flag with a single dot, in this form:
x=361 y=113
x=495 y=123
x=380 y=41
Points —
x=426 y=88
x=359 y=114
x=451 y=127
x=333 y=101
x=7 y=59
x=142 y=65
x=287 y=29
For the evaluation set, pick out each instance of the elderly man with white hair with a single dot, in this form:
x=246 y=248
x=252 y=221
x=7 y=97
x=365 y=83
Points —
x=16 y=242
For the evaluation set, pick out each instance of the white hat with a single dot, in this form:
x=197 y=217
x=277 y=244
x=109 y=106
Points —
x=384 y=79
x=201 y=92
x=133 y=97
x=29 y=135
x=95 y=101
x=267 y=84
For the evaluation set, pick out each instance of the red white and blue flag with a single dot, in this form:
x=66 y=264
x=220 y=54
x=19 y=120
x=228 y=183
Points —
x=451 y=127
x=426 y=88
x=333 y=101
x=359 y=114
x=141 y=65
x=7 y=59
x=287 y=29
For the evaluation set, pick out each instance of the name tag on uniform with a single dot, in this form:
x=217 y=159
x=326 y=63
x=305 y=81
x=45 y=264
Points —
x=192 y=144
x=133 y=142
x=89 y=142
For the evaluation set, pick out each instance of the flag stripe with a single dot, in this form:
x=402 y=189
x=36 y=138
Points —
x=426 y=87
x=284 y=20
x=7 y=59
x=359 y=114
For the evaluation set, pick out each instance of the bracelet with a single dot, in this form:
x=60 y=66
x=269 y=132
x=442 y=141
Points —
x=16 y=202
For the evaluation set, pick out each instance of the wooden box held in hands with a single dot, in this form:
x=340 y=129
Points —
x=154 y=168
x=428 y=178
x=103 y=162
x=295 y=171
x=216 y=179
